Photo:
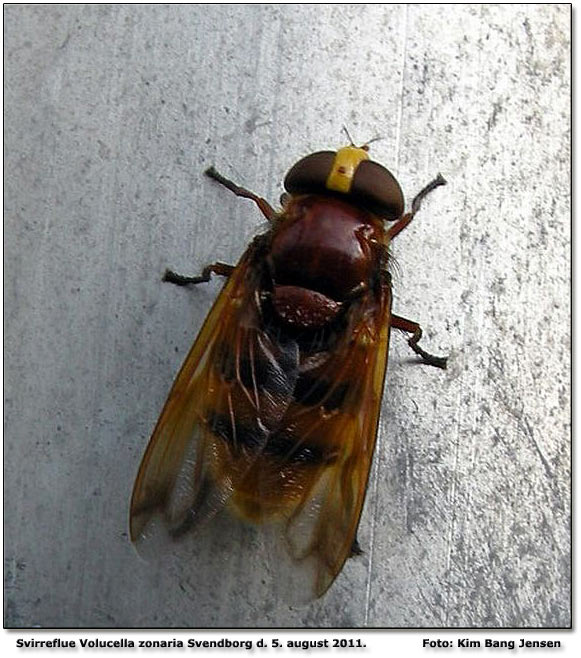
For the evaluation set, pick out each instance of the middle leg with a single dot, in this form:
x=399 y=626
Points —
x=397 y=322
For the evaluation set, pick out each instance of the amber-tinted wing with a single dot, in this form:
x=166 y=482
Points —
x=188 y=472
x=335 y=413
x=279 y=430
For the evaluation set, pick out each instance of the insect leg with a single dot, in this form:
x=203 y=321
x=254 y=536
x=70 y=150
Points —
x=355 y=548
x=265 y=208
x=218 y=268
x=414 y=328
x=416 y=203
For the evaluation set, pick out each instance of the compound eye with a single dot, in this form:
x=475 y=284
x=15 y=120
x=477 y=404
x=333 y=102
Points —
x=309 y=175
x=377 y=189
x=373 y=186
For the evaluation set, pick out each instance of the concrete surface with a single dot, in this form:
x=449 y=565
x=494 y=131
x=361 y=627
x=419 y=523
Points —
x=112 y=113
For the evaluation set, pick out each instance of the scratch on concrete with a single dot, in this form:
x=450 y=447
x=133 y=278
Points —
x=531 y=434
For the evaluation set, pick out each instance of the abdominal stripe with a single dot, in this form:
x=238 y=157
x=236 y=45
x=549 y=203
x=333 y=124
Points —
x=309 y=390
x=255 y=439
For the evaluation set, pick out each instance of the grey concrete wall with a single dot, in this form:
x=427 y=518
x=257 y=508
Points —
x=112 y=113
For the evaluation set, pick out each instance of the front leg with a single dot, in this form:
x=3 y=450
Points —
x=265 y=208
x=414 y=328
x=416 y=203
x=218 y=268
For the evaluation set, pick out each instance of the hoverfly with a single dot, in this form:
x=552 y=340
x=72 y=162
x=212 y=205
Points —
x=275 y=410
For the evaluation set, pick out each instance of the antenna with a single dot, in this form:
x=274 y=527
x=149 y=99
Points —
x=365 y=146
x=348 y=135
x=374 y=139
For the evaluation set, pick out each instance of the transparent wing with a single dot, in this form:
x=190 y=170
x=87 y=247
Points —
x=336 y=407
x=198 y=452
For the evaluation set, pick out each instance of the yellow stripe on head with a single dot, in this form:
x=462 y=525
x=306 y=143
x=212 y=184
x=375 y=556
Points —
x=344 y=166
